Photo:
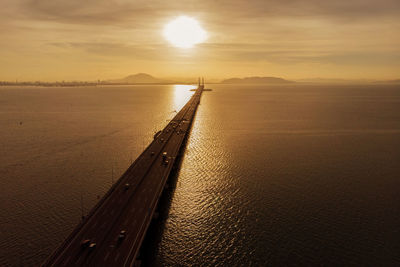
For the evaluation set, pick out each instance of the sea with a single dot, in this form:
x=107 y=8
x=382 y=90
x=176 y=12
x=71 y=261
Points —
x=273 y=175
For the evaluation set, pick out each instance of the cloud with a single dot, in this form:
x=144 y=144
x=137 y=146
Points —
x=338 y=9
x=95 y=12
x=281 y=32
x=104 y=49
x=114 y=11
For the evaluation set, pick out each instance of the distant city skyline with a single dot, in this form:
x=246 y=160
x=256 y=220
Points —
x=51 y=40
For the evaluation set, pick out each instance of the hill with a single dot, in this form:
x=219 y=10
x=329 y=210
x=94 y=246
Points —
x=138 y=78
x=390 y=81
x=258 y=80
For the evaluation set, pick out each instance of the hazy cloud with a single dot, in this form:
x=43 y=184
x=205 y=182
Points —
x=277 y=33
x=112 y=49
x=109 y=11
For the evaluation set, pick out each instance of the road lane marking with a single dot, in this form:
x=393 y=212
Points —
x=189 y=107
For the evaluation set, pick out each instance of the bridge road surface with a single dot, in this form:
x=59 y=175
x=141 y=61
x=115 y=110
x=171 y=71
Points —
x=128 y=208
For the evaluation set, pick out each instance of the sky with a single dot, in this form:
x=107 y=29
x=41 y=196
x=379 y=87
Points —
x=52 y=40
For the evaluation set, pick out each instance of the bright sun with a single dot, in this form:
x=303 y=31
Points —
x=184 y=32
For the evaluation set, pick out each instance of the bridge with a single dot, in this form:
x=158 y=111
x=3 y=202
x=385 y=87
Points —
x=112 y=233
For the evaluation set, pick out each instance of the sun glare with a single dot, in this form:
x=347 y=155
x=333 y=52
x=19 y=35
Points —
x=184 y=32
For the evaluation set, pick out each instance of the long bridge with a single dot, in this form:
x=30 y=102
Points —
x=113 y=231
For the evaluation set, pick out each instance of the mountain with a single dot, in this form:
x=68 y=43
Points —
x=138 y=78
x=259 y=80
x=347 y=81
x=334 y=81
x=389 y=81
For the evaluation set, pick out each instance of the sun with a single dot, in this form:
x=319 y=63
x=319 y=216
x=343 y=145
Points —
x=184 y=32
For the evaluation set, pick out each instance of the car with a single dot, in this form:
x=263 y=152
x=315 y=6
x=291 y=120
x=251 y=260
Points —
x=121 y=235
x=92 y=246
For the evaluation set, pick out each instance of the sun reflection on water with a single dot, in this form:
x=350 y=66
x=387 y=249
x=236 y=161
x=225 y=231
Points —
x=182 y=94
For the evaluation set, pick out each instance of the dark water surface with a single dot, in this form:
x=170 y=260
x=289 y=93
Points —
x=272 y=175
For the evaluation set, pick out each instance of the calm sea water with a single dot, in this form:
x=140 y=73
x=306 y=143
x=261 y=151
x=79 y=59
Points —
x=272 y=175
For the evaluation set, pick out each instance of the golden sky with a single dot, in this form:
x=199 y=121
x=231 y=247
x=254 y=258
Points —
x=105 y=39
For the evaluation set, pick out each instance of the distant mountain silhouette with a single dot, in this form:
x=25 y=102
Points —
x=334 y=81
x=144 y=78
x=389 y=81
x=138 y=78
x=260 y=80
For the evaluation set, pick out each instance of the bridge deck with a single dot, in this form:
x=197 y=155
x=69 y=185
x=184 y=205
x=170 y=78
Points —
x=128 y=208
